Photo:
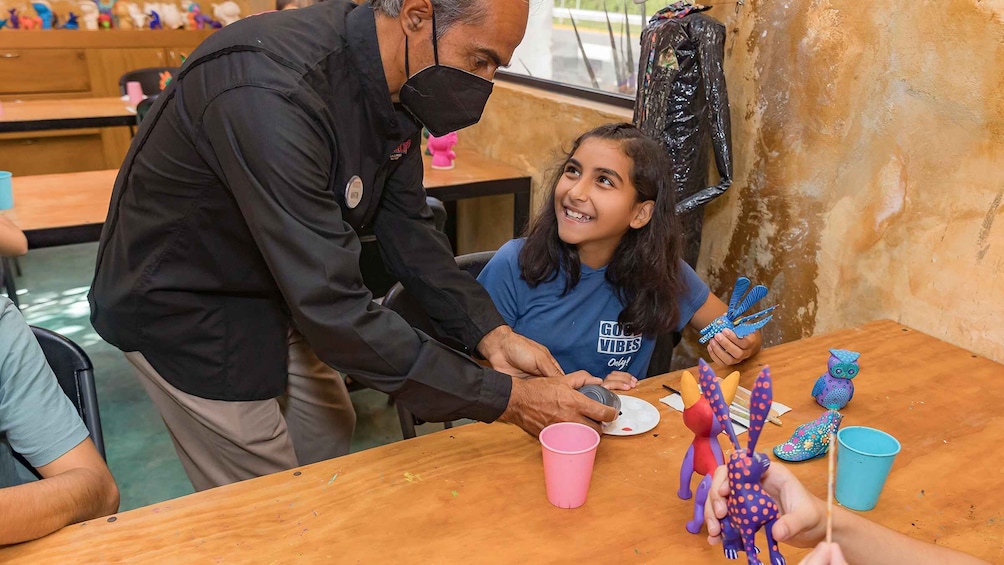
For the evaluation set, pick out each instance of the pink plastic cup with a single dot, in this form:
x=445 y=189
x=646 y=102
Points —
x=569 y=450
x=135 y=92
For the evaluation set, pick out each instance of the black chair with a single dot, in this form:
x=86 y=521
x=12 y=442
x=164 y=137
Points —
x=662 y=355
x=148 y=78
x=398 y=300
x=143 y=108
x=75 y=374
x=7 y=276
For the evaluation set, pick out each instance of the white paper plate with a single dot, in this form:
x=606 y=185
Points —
x=637 y=417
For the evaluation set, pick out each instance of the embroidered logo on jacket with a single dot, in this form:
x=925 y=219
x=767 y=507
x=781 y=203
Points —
x=401 y=150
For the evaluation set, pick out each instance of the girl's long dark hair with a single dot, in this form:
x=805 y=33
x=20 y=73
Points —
x=645 y=268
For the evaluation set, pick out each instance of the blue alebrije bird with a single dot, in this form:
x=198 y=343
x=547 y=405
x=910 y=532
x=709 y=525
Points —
x=835 y=389
x=739 y=303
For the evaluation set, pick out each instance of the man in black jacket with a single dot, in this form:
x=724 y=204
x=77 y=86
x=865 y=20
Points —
x=231 y=233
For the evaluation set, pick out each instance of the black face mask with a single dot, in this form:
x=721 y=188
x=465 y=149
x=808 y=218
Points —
x=444 y=99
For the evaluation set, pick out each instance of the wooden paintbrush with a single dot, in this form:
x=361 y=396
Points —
x=829 y=488
x=743 y=400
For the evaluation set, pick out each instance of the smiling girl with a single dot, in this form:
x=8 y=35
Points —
x=599 y=275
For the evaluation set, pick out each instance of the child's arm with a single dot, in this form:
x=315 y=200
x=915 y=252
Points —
x=12 y=240
x=725 y=347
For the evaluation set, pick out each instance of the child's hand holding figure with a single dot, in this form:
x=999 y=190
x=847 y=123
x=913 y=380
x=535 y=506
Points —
x=619 y=380
x=727 y=349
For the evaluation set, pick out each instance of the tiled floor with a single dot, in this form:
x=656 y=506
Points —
x=53 y=292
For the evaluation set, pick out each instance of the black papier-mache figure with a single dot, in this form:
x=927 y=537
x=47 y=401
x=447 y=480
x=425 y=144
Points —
x=682 y=102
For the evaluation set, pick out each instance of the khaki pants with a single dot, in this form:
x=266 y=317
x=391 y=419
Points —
x=221 y=442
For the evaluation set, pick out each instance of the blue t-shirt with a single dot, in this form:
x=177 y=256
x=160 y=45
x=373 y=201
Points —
x=580 y=328
x=36 y=419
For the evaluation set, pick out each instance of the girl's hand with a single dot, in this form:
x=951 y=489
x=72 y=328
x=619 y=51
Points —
x=619 y=380
x=727 y=349
x=803 y=516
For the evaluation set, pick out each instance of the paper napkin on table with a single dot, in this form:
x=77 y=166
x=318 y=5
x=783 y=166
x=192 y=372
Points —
x=740 y=421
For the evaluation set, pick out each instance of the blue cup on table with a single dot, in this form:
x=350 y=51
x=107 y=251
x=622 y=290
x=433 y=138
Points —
x=863 y=462
x=6 y=191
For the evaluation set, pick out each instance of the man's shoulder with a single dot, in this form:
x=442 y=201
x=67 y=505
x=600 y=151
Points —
x=297 y=40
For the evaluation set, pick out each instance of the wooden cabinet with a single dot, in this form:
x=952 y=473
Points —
x=61 y=64
x=36 y=71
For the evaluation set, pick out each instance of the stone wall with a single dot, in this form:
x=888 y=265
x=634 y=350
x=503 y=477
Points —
x=869 y=165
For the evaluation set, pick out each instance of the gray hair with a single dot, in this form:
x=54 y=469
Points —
x=448 y=12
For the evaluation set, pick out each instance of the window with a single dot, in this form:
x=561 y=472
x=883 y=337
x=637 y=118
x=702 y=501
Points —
x=559 y=32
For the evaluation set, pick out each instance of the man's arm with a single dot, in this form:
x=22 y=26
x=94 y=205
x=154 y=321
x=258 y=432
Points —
x=421 y=258
x=75 y=487
x=276 y=159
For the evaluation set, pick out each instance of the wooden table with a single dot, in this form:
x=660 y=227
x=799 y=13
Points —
x=475 y=494
x=71 y=208
x=41 y=115
x=61 y=209
x=476 y=175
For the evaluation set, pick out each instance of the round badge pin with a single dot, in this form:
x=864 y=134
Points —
x=354 y=192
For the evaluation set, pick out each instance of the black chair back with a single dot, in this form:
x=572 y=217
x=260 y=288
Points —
x=75 y=374
x=148 y=78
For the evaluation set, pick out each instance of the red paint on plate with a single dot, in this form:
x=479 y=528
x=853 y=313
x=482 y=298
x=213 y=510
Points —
x=626 y=430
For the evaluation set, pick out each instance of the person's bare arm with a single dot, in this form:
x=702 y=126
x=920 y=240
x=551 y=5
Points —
x=13 y=243
x=803 y=524
x=75 y=487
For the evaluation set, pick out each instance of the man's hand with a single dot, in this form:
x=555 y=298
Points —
x=619 y=380
x=512 y=354
x=538 y=403
x=803 y=516
x=727 y=349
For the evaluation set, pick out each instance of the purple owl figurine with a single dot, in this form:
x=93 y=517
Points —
x=749 y=507
x=835 y=389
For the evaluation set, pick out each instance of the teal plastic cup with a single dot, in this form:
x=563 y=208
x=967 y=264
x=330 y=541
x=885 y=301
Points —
x=6 y=191
x=863 y=464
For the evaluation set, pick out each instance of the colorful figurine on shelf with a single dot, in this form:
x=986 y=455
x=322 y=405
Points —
x=155 y=20
x=171 y=16
x=104 y=20
x=120 y=13
x=811 y=439
x=136 y=15
x=44 y=12
x=15 y=20
x=30 y=22
x=747 y=324
x=3 y=23
x=89 y=12
x=835 y=389
x=441 y=149
x=227 y=12
x=704 y=454
x=72 y=22
x=749 y=506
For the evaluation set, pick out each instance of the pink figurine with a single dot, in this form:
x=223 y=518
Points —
x=442 y=150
